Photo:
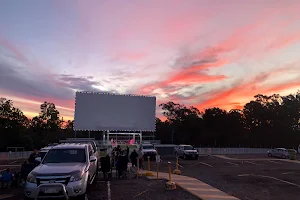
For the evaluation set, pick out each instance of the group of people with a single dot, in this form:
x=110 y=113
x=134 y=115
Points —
x=134 y=156
x=120 y=159
x=7 y=176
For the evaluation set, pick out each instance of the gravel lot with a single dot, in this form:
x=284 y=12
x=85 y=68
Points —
x=247 y=180
x=137 y=189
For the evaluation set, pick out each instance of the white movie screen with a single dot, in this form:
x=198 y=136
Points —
x=104 y=111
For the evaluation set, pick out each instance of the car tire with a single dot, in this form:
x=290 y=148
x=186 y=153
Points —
x=283 y=156
x=269 y=154
x=184 y=157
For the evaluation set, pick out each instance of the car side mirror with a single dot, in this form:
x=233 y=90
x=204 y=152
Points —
x=93 y=158
x=38 y=159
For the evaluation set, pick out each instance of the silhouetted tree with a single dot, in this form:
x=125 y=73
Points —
x=264 y=122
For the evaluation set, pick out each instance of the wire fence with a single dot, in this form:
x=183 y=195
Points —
x=19 y=155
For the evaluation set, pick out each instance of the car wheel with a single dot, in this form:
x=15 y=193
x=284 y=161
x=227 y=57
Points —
x=184 y=156
x=283 y=156
x=269 y=154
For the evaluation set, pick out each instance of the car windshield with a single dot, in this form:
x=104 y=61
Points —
x=42 y=154
x=148 y=147
x=65 y=156
x=86 y=142
x=188 y=148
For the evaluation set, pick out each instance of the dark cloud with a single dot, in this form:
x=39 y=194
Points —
x=16 y=79
x=206 y=56
x=188 y=95
x=79 y=83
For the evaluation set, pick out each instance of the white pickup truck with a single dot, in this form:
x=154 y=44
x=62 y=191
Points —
x=186 y=151
x=148 y=150
x=67 y=170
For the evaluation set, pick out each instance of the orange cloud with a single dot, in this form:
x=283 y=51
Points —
x=284 y=86
x=183 y=79
x=285 y=41
x=248 y=89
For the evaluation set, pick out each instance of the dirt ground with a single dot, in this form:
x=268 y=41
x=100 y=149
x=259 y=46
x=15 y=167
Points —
x=247 y=180
x=137 y=189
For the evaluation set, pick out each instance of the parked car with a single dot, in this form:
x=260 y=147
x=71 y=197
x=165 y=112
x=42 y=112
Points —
x=44 y=151
x=279 y=153
x=66 y=171
x=90 y=141
x=149 y=150
x=186 y=151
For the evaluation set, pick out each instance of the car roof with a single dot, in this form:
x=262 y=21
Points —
x=46 y=148
x=70 y=145
x=185 y=145
x=93 y=143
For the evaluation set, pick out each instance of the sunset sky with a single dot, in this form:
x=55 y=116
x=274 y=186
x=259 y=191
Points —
x=196 y=52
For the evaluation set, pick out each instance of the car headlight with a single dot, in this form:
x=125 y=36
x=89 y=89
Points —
x=31 y=178
x=76 y=177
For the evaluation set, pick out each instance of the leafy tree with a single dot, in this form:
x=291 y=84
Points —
x=50 y=115
x=267 y=121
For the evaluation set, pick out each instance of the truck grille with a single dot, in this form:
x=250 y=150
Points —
x=42 y=180
x=150 y=153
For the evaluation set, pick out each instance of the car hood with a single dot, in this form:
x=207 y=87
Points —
x=52 y=169
x=191 y=151
x=149 y=150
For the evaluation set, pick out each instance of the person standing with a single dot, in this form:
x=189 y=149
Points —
x=133 y=156
x=141 y=158
x=33 y=156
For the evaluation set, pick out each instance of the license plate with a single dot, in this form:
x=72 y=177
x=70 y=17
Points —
x=51 y=190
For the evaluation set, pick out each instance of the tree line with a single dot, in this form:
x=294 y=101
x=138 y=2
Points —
x=17 y=130
x=267 y=121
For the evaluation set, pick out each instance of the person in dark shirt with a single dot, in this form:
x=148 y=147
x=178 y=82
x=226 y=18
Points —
x=7 y=178
x=105 y=165
x=133 y=156
x=118 y=149
x=33 y=156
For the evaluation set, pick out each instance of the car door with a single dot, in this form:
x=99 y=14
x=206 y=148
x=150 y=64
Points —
x=93 y=165
x=275 y=152
x=279 y=152
x=181 y=150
